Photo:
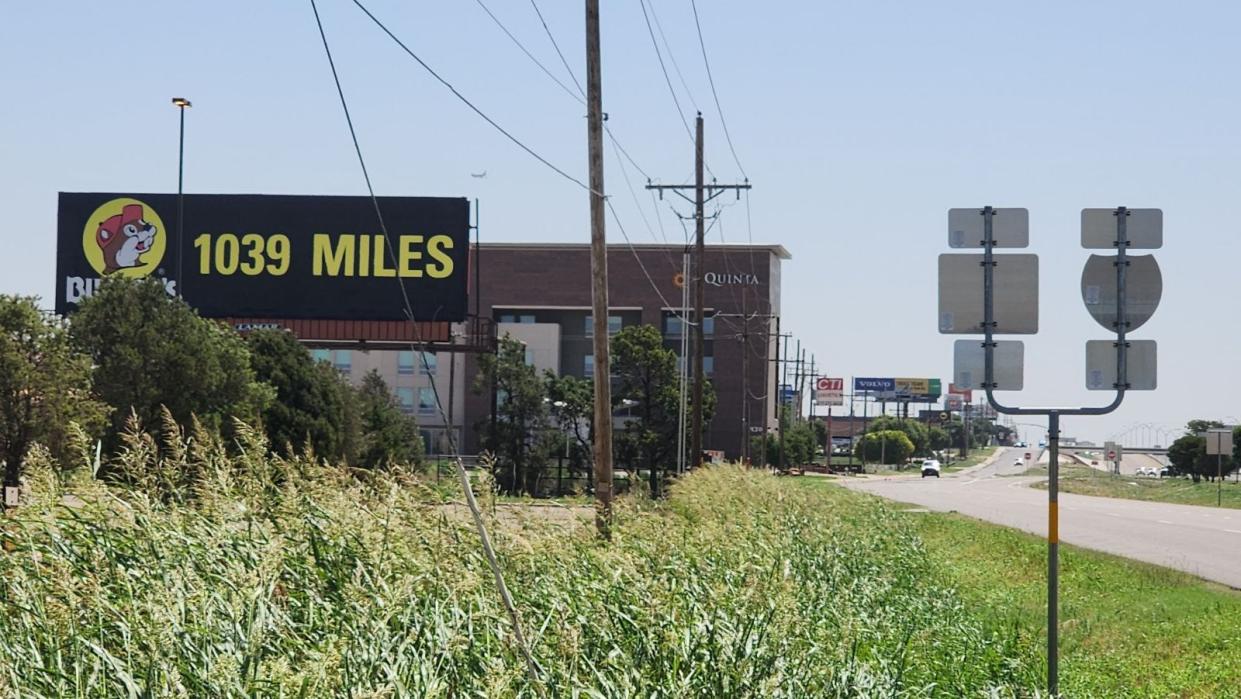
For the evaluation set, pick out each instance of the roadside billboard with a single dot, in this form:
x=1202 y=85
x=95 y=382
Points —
x=271 y=256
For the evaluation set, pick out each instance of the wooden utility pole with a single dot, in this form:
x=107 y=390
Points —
x=703 y=193
x=599 y=278
x=699 y=287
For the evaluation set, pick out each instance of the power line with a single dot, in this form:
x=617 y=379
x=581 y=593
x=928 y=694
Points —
x=467 y=102
x=714 y=94
x=556 y=46
x=664 y=69
x=531 y=665
x=577 y=96
x=672 y=57
x=617 y=147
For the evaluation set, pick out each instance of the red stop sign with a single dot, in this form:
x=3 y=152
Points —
x=1111 y=456
x=1028 y=456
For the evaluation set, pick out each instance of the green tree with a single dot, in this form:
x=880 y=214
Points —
x=917 y=432
x=389 y=437
x=44 y=385
x=153 y=350
x=520 y=436
x=311 y=397
x=1188 y=454
x=571 y=402
x=646 y=374
x=939 y=438
x=885 y=446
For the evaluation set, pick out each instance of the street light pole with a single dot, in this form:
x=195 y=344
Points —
x=182 y=104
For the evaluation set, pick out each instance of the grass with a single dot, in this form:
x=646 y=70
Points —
x=1128 y=629
x=977 y=456
x=1088 y=481
x=222 y=575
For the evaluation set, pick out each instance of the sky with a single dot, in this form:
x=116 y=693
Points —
x=859 y=125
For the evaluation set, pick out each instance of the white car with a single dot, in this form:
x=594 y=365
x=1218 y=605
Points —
x=930 y=467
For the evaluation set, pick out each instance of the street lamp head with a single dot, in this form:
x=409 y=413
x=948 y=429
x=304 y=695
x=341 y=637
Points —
x=181 y=102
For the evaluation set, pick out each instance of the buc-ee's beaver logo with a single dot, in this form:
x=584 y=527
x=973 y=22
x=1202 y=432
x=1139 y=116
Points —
x=124 y=237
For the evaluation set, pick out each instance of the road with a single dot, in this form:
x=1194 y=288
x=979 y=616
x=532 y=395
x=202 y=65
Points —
x=1203 y=541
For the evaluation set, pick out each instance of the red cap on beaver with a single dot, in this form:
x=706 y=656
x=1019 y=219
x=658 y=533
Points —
x=130 y=213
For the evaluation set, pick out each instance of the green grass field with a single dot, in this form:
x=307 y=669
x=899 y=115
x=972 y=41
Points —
x=1128 y=629
x=1088 y=481
x=270 y=578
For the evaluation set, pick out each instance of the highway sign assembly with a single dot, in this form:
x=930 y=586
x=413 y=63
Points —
x=992 y=294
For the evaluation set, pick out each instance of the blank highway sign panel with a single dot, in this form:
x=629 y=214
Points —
x=1010 y=228
x=1015 y=284
x=1140 y=365
x=969 y=366
x=1143 y=229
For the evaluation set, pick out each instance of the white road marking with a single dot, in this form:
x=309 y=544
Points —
x=1163 y=521
x=1233 y=531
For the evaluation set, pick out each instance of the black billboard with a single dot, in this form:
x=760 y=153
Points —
x=272 y=256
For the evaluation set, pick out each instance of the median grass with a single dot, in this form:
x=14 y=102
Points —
x=1182 y=491
x=283 y=578
x=1128 y=629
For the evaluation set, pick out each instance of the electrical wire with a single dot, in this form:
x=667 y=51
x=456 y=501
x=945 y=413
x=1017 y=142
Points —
x=579 y=96
x=556 y=46
x=470 y=104
x=532 y=665
x=714 y=94
x=672 y=56
x=664 y=69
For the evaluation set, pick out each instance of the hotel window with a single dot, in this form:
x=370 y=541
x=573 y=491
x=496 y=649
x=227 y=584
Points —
x=426 y=401
x=516 y=318
x=344 y=361
x=708 y=326
x=529 y=357
x=614 y=325
x=588 y=365
x=708 y=366
x=673 y=326
x=405 y=399
x=405 y=362
x=431 y=363
x=321 y=355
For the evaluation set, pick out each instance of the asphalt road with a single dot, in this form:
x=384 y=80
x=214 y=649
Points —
x=1203 y=541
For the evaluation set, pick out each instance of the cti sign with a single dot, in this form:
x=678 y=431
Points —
x=829 y=391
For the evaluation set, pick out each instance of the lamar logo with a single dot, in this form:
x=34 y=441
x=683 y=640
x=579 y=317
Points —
x=125 y=237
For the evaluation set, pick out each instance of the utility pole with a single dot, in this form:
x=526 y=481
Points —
x=703 y=193
x=599 y=278
x=744 y=336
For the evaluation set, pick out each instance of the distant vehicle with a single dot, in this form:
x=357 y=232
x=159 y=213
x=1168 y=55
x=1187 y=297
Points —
x=1165 y=472
x=1020 y=445
x=1141 y=472
x=1019 y=462
x=930 y=467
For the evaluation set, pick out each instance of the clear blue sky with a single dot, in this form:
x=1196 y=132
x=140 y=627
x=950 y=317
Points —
x=859 y=124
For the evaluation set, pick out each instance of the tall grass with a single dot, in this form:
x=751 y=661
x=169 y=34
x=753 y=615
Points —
x=226 y=574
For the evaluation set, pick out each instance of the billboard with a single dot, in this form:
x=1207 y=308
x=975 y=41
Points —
x=271 y=256
x=873 y=385
x=829 y=391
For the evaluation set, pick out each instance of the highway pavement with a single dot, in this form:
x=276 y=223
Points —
x=1203 y=541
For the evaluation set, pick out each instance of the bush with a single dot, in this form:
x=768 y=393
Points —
x=151 y=350
x=885 y=446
